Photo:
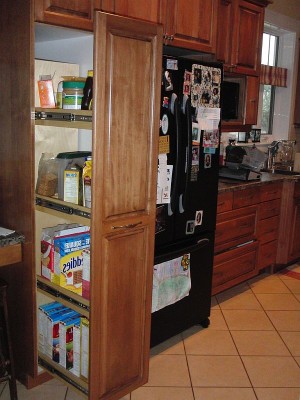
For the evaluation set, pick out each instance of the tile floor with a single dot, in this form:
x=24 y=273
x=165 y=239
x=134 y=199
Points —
x=251 y=351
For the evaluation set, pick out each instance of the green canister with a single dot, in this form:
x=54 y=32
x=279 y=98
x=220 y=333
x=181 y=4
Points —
x=72 y=94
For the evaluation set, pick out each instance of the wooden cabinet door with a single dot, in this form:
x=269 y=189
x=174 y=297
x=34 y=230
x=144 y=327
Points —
x=71 y=13
x=126 y=125
x=146 y=10
x=224 y=31
x=247 y=38
x=252 y=97
x=294 y=252
x=192 y=25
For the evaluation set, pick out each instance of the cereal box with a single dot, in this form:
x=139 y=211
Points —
x=86 y=274
x=68 y=261
x=66 y=327
x=47 y=245
x=76 y=348
x=84 y=361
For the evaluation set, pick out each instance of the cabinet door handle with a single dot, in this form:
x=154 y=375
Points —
x=128 y=226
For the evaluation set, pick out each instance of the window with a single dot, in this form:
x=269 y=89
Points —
x=268 y=57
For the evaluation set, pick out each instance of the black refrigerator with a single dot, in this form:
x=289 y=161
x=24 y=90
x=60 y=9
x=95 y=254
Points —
x=188 y=167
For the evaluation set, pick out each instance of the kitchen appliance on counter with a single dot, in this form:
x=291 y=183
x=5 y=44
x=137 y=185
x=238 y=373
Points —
x=242 y=164
x=187 y=196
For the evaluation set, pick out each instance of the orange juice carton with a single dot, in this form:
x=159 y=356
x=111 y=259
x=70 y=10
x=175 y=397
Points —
x=76 y=347
x=66 y=327
x=84 y=361
x=86 y=274
x=68 y=260
x=48 y=236
x=52 y=345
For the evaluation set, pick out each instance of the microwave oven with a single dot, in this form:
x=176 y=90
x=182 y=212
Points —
x=233 y=98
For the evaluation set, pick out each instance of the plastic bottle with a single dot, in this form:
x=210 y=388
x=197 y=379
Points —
x=87 y=182
x=72 y=94
x=87 y=92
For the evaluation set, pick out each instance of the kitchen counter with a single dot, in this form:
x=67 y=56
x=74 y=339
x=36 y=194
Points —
x=226 y=185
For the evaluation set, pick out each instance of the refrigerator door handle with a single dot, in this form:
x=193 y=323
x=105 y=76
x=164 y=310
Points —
x=174 y=108
x=176 y=253
x=186 y=110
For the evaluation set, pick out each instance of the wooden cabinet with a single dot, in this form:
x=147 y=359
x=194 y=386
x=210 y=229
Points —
x=122 y=217
x=190 y=25
x=236 y=247
x=246 y=233
x=149 y=11
x=71 y=13
x=239 y=38
x=297 y=97
x=289 y=238
x=252 y=98
x=268 y=224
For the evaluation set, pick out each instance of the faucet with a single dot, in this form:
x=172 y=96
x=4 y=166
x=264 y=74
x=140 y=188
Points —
x=271 y=154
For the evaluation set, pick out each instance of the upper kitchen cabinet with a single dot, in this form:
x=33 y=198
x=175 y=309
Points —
x=239 y=36
x=70 y=13
x=148 y=11
x=191 y=26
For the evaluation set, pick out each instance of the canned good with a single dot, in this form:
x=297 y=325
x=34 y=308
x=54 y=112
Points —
x=72 y=94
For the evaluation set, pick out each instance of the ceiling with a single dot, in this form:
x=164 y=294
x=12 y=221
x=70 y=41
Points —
x=291 y=8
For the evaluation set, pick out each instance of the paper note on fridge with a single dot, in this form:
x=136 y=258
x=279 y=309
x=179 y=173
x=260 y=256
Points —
x=171 y=282
x=208 y=118
x=164 y=180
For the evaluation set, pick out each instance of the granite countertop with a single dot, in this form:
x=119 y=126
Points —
x=231 y=184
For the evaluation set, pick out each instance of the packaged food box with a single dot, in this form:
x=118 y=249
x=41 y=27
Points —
x=86 y=274
x=84 y=361
x=68 y=261
x=52 y=345
x=76 y=348
x=42 y=310
x=48 y=249
x=66 y=327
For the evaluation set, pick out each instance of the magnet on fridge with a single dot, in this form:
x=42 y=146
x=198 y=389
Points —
x=207 y=160
x=164 y=124
x=190 y=227
x=199 y=217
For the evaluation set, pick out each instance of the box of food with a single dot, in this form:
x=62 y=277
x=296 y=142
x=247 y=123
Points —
x=84 y=360
x=68 y=261
x=51 y=247
x=76 y=348
x=86 y=274
x=66 y=327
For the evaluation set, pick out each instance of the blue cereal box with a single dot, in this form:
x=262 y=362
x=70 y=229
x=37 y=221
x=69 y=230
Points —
x=69 y=260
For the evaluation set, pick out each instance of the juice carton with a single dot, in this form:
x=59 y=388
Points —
x=66 y=328
x=84 y=361
x=76 y=347
x=48 y=236
x=43 y=312
x=68 y=261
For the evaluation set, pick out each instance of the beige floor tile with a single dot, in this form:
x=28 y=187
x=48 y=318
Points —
x=44 y=392
x=217 y=371
x=278 y=393
x=269 y=286
x=247 y=320
x=285 y=320
x=282 y=301
x=162 y=393
x=297 y=360
x=168 y=370
x=217 y=320
x=242 y=301
x=209 y=342
x=293 y=285
x=297 y=296
x=293 y=268
x=264 y=277
x=270 y=371
x=224 y=394
x=173 y=345
x=292 y=340
x=255 y=343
